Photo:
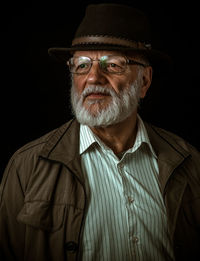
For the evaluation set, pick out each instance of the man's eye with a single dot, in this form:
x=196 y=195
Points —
x=112 y=66
x=83 y=65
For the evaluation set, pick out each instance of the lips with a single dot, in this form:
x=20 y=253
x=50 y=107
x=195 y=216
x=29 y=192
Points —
x=96 y=95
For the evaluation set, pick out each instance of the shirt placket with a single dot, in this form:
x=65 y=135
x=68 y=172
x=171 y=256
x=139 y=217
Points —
x=133 y=233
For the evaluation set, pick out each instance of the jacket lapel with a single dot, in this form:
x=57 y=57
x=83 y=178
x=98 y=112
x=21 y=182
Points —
x=170 y=154
x=63 y=147
x=172 y=179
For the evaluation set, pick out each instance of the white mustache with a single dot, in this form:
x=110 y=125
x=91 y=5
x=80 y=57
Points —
x=98 y=89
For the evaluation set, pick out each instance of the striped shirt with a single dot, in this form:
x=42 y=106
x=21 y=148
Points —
x=126 y=216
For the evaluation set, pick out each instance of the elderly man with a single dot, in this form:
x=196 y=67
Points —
x=106 y=185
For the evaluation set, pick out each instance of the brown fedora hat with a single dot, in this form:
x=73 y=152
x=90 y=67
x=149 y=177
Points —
x=114 y=27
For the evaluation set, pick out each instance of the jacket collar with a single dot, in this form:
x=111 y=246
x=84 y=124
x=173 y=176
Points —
x=169 y=152
x=63 y=146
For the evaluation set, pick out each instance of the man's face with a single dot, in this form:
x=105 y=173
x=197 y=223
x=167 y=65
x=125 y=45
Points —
x=100 y=98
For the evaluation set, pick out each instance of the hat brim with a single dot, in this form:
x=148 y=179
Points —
x=160 y=61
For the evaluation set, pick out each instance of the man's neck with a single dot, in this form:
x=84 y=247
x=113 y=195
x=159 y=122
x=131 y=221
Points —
x=119 y=137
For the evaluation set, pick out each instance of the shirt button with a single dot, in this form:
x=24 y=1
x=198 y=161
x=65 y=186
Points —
x=135 y=239
x=130 y=199
x=71 y=246
x=121 y=165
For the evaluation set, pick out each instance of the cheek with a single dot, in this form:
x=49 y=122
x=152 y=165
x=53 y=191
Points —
x=118 y=85
x=78 y=84
x=123 y=81
x=123 y=86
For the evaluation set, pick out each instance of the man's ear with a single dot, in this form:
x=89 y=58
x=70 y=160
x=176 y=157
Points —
x=147 y=79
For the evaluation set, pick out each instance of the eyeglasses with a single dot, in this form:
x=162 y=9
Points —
x=108 y=64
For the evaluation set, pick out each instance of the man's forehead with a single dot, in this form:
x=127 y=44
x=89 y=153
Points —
x=97 y=53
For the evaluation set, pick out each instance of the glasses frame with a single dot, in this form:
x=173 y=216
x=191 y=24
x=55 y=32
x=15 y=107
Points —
x=128 y=62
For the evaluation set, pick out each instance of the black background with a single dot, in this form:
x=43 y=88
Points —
x=35 y=88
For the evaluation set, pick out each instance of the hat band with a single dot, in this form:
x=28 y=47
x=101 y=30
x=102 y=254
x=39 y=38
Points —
x=110 y=40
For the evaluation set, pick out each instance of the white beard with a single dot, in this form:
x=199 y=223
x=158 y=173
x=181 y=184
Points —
x=121 y=106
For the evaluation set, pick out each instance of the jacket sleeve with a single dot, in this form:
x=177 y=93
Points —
x=12 y=233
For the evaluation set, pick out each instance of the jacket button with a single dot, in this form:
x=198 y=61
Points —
x=71 y=246
x=177 y=247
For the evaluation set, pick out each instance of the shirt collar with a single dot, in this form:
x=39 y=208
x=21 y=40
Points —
x=142 y=137
x=87 y=138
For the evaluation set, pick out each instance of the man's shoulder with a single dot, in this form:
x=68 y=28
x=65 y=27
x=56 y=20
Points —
x=35 y=147
x=173 y=139
x=24 y=161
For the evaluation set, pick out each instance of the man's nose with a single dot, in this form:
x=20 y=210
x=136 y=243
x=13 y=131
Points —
x=96 y=75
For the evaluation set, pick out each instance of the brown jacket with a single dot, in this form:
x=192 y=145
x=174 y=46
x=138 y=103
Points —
x=43 y=198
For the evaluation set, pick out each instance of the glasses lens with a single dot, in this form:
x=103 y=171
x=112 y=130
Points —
x=80 y=64
x=113 y=64
x=109 y=64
